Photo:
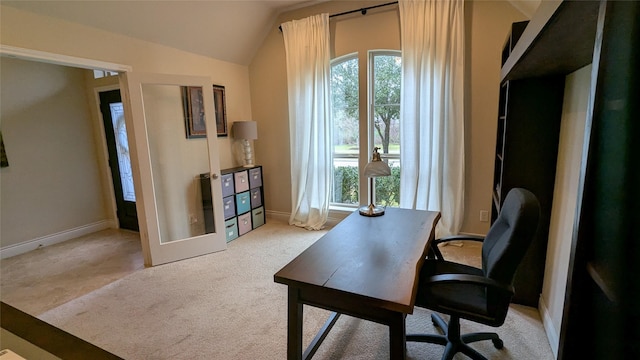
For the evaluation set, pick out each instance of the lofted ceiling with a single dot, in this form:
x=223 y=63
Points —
x=229 y=30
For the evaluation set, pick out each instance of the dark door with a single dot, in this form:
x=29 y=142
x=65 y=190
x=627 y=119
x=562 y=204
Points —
x=119 y=162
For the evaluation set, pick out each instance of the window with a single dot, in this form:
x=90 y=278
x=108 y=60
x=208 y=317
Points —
x=382 y=121
x=97 y=74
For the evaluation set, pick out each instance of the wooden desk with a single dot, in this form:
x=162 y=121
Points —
x=366 y=267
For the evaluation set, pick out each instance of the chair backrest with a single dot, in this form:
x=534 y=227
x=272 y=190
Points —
x=510 y=235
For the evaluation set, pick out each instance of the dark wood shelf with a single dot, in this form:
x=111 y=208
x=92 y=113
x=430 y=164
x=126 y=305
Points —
x=558 y=40
x=600 y=276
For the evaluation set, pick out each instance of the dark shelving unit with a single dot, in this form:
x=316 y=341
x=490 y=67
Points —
x=601 y=318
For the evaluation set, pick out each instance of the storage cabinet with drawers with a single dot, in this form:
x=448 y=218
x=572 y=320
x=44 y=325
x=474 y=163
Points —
x=243 y=200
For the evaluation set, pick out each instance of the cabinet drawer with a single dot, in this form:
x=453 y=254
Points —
x=241 y=181
x=257 y=215
x=227 y=185
x=256 y=197
x=243 y=202
x=229 y=206
x=244 y=224
x=231 y=229
x=255 y=177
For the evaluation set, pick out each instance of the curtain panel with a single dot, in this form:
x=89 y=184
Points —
x=308 y=73
x=432 y=109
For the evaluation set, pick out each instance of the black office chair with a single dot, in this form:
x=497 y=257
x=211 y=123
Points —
x=480 y=295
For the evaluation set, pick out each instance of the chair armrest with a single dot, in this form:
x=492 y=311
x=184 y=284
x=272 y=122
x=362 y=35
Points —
x=470 y=279
x=434 y=251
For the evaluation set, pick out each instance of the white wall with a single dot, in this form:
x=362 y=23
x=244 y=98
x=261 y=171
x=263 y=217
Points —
x=53 y=182
x=565 y=195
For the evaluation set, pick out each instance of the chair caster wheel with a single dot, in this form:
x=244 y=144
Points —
x=498 y=343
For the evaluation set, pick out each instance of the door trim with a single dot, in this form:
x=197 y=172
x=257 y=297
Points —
x=59 y=59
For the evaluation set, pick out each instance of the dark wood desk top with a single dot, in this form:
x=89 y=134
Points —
x=374 y=258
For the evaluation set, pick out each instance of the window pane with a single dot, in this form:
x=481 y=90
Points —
x=388 y=187
x=122 y=147
x=386 y=103
x=385 y=123
x=344 y=96
x=345 y=115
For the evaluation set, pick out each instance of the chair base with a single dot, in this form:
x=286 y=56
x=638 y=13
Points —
x=453 y=341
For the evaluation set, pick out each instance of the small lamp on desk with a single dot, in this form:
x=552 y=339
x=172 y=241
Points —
x=245 y=131
x=376 y=167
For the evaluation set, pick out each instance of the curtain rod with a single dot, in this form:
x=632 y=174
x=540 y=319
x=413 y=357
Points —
x=361 y=10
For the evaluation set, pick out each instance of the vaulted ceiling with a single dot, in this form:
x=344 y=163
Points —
x=229 y=30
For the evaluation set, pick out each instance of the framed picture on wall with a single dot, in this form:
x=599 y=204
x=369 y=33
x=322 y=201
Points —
x=194 y=112
x=221 y=110
x=4 y=162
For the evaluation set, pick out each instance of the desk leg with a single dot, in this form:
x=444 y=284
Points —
x=294 y=326
x=397 y=337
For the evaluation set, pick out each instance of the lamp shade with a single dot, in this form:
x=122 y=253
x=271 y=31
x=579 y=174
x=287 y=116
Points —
x=377 y=168
x=245 y=130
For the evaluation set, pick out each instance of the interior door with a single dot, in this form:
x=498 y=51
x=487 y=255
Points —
x=173 y=150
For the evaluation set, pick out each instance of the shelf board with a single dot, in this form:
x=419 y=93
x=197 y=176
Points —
x=600 y=277
x=558 y=40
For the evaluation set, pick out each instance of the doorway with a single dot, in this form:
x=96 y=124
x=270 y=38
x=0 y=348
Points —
x=119 y=161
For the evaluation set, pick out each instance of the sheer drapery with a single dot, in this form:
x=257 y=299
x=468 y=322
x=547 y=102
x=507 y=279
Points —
x=432 y=109
x=308 y=70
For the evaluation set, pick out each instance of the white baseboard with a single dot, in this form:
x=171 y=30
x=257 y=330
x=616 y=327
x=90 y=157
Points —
x=549 y=328
x=26 y=246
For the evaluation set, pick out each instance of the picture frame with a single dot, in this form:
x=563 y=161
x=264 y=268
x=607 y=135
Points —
x=219 y=98
x=4 y=162
x=194 y=112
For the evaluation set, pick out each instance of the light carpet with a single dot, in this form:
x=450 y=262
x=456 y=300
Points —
x=227 y=306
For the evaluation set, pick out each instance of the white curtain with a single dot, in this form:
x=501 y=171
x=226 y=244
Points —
x=307 y=50
x=432 y=109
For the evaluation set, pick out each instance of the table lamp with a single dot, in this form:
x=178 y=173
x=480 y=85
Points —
x=376 y=167
x=245 y=131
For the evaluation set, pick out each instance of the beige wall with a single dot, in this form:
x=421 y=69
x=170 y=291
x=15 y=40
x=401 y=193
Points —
x=53 y=181
x=565 y=198
x=490 y=23
x=26 y=30
x=487 y=25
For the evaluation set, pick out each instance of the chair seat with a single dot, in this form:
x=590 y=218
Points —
x=469 y=301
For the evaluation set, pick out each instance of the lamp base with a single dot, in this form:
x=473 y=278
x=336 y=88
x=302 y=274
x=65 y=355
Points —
x=248 y=154
x=371 y=210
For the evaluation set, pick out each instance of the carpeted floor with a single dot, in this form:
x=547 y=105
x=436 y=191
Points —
x=224 y=305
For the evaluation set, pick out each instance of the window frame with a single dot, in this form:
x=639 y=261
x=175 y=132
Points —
x=335 y=205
